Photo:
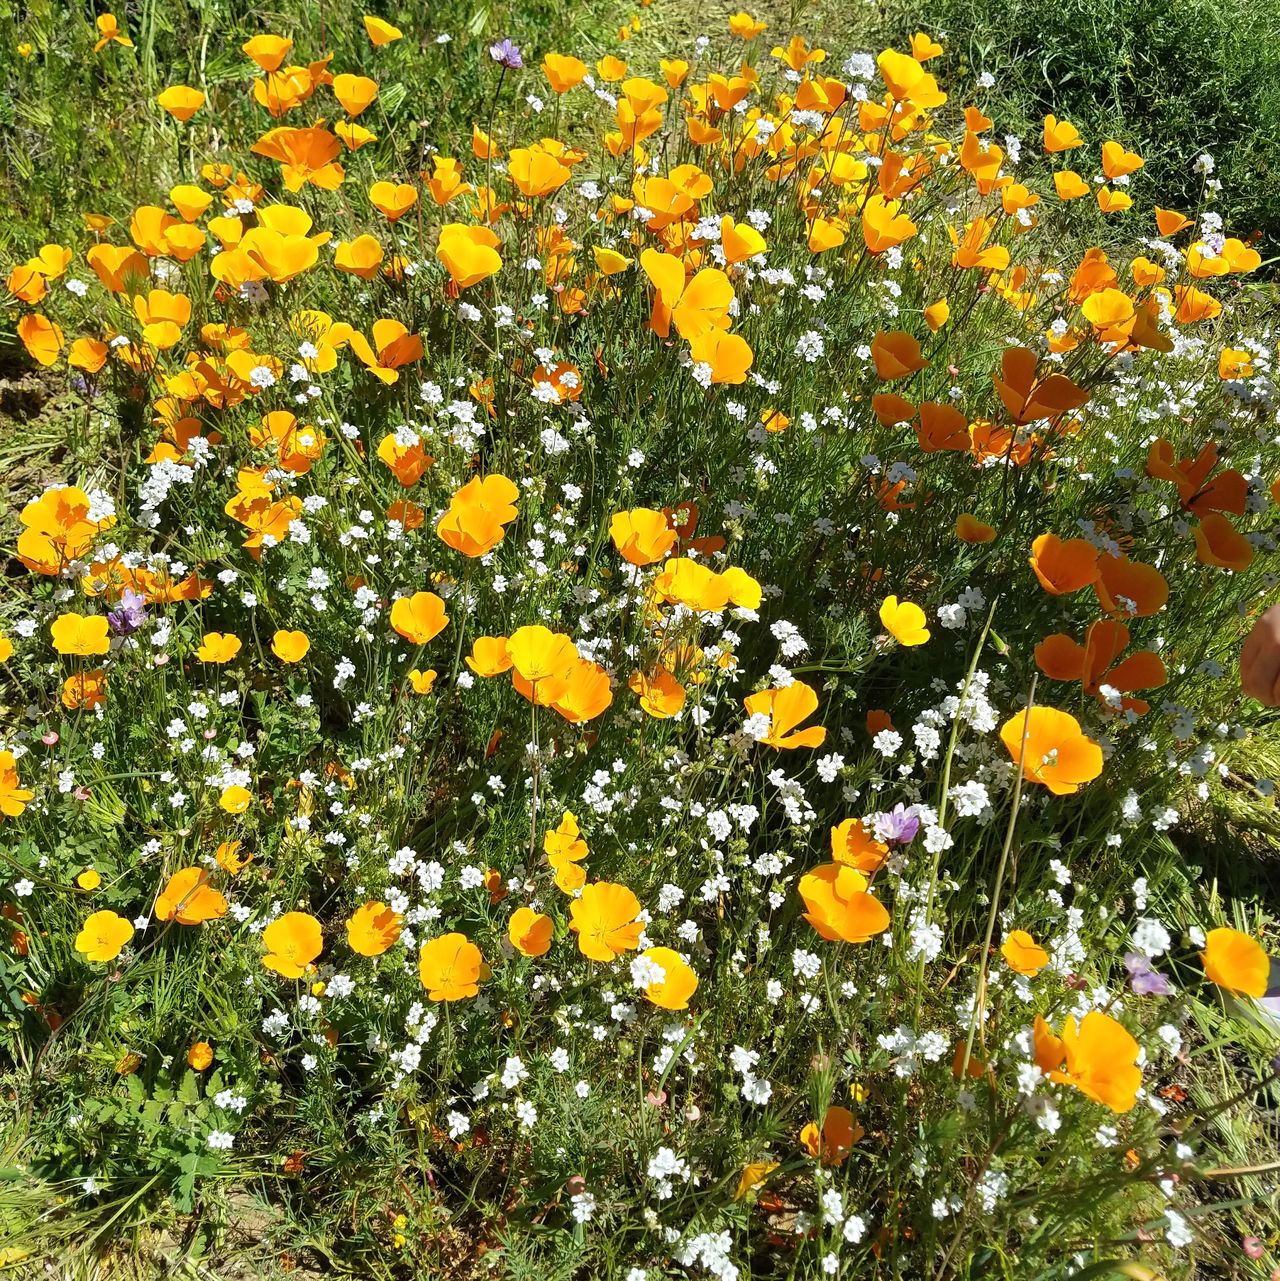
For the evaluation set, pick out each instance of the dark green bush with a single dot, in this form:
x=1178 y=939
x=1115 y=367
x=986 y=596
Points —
x=1172 y=78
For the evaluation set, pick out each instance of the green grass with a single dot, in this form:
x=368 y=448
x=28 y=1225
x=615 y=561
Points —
x=1171 y=81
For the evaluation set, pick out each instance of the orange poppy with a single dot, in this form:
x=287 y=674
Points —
x=903 y=621
x=1094 y=664
x=181 y=102
x=1220 y=544
x=103 y=936
x=469 y=254
x=687 y=582
x=393 y=347
x=1198 y=492
x=1058 y=754
x=380 y=32
x=373 y=928
x=13 y=796
x=1027 y=399
x=189 y=899
x=838 y=905
x=530 y=932
x=78 y=634
x=784 y=709
x=217 y=647
x=833 y=1143
x=393 y=200
x=478 y=515
x=896 y=355
x=419 y=618
x=1098 y=1056
x=355 y=93
x=292 y=941
x=1023 y=954
x=969 y=529
x=359 y=257
x=1129 y=588
x=854 y=846
x=451 y=968
x=660 y=694
x=641 y=535
x=604 y=919
x=1236 y=961
x=586 y=692
x=677 y=983
x=1064 y=567
x=290 y=647
x=884 y=225
x=1060 y=135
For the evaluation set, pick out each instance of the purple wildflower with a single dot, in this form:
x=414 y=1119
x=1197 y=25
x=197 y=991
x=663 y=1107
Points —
x=507 y=54
x=129 y=614
x=897 y=826
x=1143 y=979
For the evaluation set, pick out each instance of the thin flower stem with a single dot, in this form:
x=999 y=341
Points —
x=1239 y=1171
x=979 y=1005
x=943 y=790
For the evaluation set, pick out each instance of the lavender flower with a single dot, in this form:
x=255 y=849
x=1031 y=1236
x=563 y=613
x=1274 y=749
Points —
x=129 y=614
x=1143 y=979
x=897 y=826
x=507 y=54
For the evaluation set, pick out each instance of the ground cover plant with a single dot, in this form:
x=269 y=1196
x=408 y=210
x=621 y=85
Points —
x=627 y=669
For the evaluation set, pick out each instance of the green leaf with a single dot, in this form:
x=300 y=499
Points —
x=189 y=1090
